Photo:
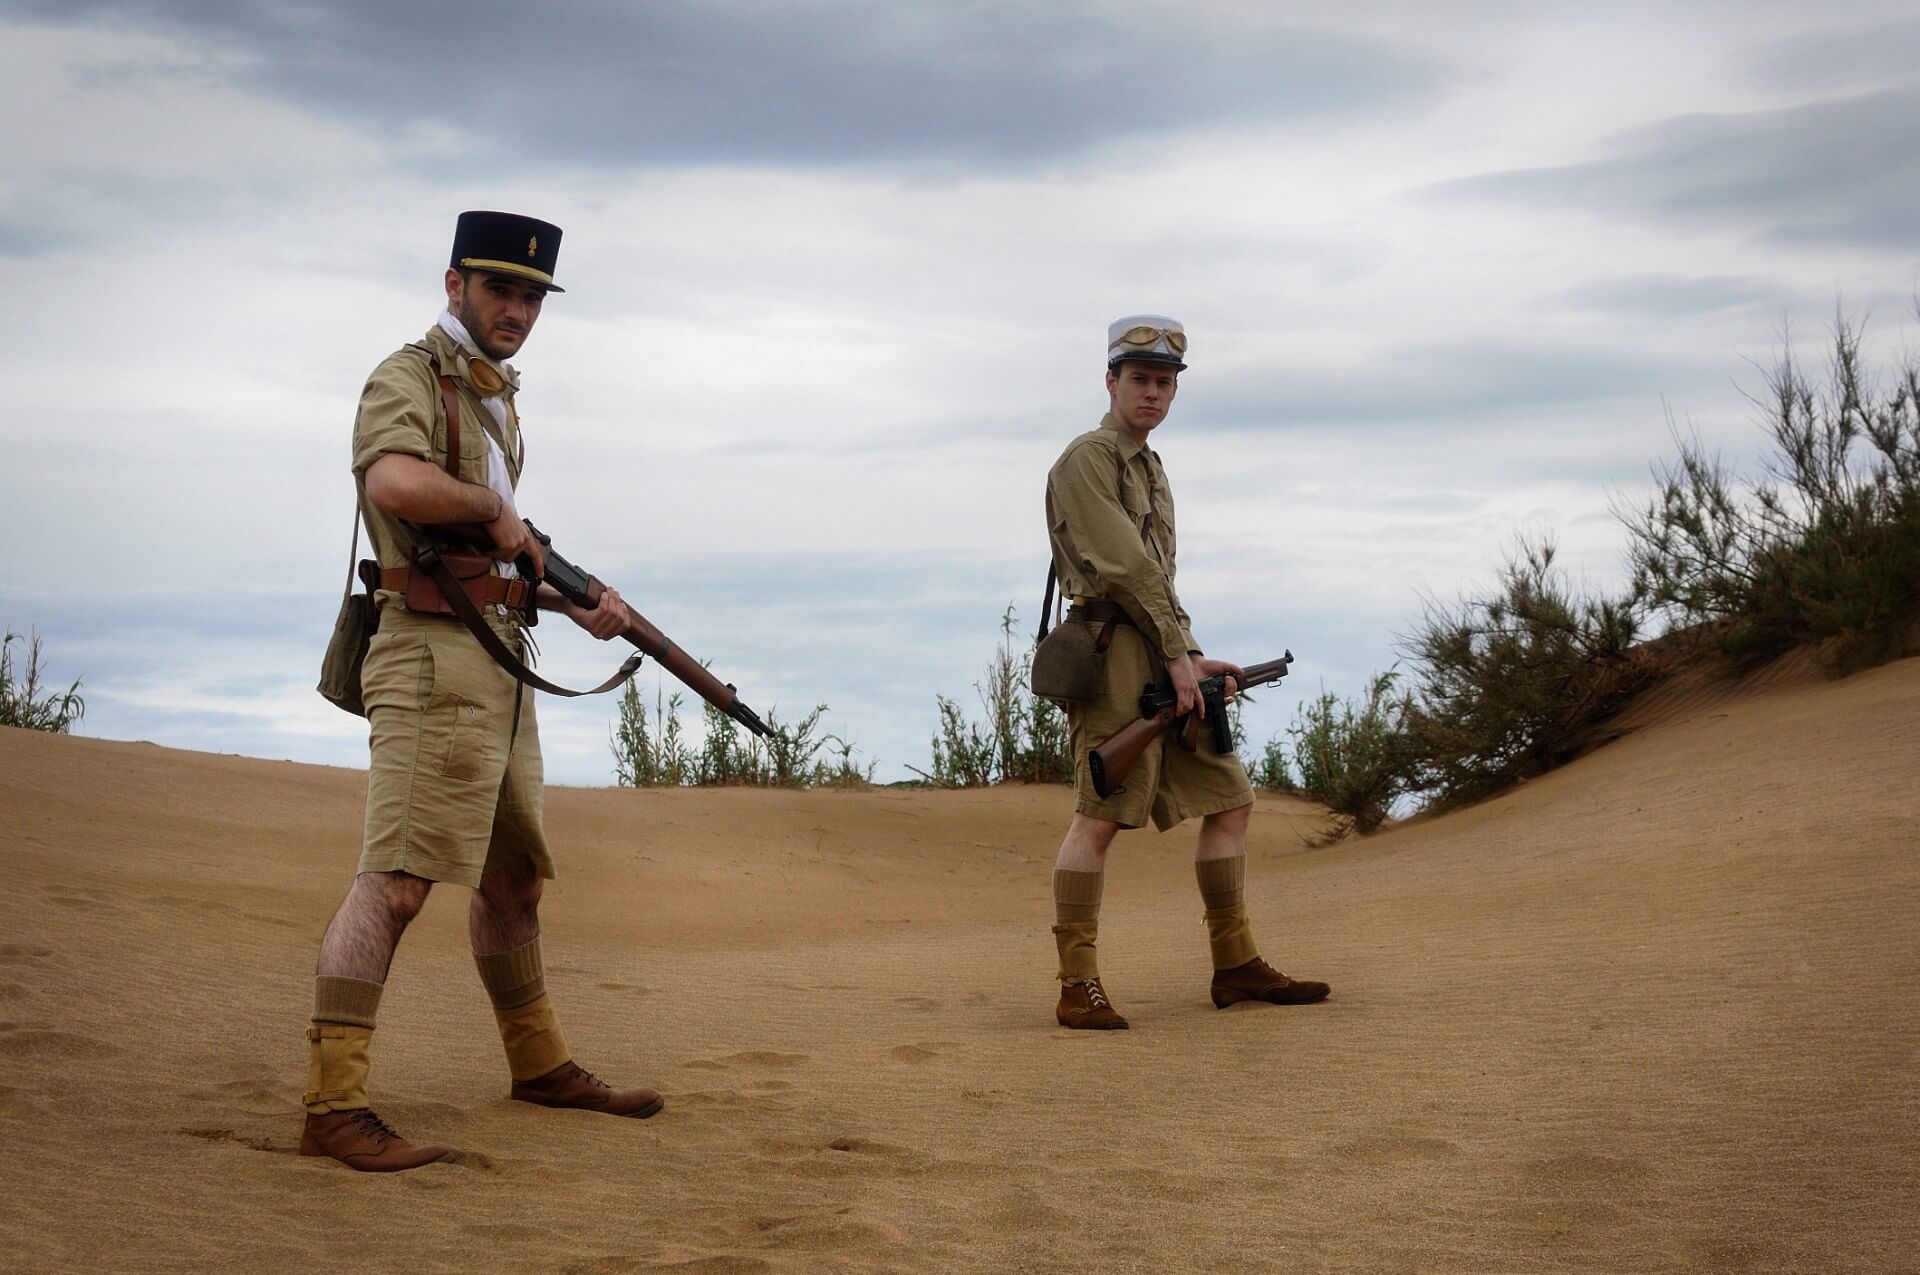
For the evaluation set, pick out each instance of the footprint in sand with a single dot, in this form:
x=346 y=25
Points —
x=748 y=1058
x=51 y=1046
x=228 y=1135
x=260 y=1094
x=506 y=1231
x=21 y=954
x=630 y=989
x=922 y=1003
x=916 y=1054
x=79 y=902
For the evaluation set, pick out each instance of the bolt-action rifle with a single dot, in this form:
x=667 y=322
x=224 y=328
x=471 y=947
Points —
x=583 y=590
x=1109 y=763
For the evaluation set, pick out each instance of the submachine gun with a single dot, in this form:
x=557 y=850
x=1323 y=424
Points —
x=1109 y=763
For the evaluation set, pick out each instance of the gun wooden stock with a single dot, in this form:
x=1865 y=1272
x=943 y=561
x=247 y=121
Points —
x=1108 y=764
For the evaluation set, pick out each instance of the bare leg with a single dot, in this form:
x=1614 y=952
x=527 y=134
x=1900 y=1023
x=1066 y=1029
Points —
x=506 y=909
x=364 y=932
x=1223 y=835
x=1086 y=844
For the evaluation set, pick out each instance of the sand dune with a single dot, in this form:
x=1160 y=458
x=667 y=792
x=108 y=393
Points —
x=1654 y=1012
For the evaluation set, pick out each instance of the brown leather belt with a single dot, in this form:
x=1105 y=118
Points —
x=477 y=581
x=1100 y=611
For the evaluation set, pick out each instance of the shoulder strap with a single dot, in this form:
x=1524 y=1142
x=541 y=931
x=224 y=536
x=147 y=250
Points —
x=353 y=553
x=450 y=399
x=1046 y=599
x=456 y=597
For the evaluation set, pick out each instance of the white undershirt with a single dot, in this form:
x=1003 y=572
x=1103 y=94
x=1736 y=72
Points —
x=499 y=478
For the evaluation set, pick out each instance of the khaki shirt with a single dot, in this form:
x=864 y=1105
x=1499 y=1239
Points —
x=401 y=411
x=1110 y=521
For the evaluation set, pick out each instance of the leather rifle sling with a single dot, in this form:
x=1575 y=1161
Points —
x=429 y=560
x=463 y=606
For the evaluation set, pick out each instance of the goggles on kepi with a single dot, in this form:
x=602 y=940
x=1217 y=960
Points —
x=1146 y=336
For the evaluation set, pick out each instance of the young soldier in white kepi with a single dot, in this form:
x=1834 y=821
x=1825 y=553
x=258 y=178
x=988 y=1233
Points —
x=1110 y=521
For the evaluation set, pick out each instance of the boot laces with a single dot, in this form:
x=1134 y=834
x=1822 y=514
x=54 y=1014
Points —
x=372 y=1125
x=1096 y=998
x=587 y=1078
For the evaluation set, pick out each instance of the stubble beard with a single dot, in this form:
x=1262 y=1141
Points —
x=470 y=320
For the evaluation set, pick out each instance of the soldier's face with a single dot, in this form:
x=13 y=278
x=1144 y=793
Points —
x=498 y=310
x=1141 y=393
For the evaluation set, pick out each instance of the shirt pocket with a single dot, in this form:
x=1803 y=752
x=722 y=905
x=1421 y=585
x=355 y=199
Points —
x=473 y=438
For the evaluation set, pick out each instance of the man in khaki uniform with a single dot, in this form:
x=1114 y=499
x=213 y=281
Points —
x=454 y=786
x=1110 y=522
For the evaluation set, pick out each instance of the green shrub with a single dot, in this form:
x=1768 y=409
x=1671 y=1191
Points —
x=1509 y=684
x=644 y=755
x=1022 y=738
x=1829 y=548
x=1351 y=756
x=651 y=751
x=24 y=704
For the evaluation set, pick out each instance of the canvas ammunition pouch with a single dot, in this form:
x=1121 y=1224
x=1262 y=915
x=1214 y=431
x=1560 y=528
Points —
x=1069 y=663
x=353 y=630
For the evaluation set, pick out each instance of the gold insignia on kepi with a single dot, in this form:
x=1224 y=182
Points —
x=533 y=245
x=484 y=378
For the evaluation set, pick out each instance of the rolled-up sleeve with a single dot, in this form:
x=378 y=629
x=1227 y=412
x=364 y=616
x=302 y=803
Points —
x=396 y=413
x=1107 y=543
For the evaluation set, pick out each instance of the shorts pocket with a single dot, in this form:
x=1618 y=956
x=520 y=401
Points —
x=458 y=730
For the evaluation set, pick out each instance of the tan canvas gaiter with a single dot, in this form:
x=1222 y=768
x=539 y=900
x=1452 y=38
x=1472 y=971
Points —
x=344 y=1010
x=1076 y=914
x=516 y=982
x=1223 y=890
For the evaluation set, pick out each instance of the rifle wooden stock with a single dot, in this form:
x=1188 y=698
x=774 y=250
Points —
x=1108 y=764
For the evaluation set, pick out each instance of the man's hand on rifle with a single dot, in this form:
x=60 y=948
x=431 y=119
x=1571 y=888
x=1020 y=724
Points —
x=607 y=618
x=1186 y=686
x=512 y=540
x=1213 y=668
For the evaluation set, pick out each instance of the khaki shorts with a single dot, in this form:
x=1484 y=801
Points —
x=1168 y=783
x=445 y=800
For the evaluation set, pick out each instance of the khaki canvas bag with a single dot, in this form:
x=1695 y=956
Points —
x=353 y=630
x=1069 y=662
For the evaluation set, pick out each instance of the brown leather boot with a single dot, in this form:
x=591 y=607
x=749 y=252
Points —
x=571 y=1085
x=1084 y=1006
x=1259 y=981
x=361 y=1140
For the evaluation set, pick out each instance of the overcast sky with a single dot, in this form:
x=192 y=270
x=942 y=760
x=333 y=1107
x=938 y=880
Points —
x=839 y=276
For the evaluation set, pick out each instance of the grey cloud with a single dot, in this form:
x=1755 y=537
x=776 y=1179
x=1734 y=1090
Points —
x=1419 y=385
x=823 y=83
x=1832 y=172
x=1882 y=55
x=1671 y=295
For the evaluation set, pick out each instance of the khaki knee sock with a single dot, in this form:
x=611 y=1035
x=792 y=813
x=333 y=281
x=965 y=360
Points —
x=1223 y=890
x=1076 y=912
x=343 y=1015
x=517 y=983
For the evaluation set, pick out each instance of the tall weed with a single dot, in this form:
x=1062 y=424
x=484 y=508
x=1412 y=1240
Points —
x=25 y=703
